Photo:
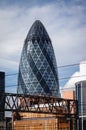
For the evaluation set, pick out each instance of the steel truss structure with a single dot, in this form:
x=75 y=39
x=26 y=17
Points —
x=38 y=104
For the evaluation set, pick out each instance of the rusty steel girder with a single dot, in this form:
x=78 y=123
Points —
x=38 y=104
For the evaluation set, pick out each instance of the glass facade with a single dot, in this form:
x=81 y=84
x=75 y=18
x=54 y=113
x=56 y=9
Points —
x=81 y=97
x=38 y=70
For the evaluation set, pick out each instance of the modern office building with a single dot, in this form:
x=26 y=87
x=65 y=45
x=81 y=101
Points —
x=75 y=88
x=81 y=97
x=38 y=77
x=38 y=69
x=2 y=90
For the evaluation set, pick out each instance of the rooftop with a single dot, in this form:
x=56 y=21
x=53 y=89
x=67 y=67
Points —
x=37 y=30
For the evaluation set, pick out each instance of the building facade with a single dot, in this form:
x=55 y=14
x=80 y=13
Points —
x=68 y=94
x=81 y=97
x=35 y=121
x=38 y=69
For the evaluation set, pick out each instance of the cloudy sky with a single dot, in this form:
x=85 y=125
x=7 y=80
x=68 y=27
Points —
x=65 y=21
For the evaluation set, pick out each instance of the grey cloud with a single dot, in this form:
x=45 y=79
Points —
x=64 y=25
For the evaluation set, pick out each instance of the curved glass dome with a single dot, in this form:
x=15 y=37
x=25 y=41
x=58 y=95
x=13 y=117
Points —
x=38 y=70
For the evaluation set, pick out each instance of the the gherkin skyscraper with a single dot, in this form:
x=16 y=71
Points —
x=38 y=70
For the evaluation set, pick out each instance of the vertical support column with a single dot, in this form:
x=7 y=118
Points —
x=2 y=90
x=69 y=116
x=77 y=117
x=82 y=104
x=71 y=124
x=76 y=124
